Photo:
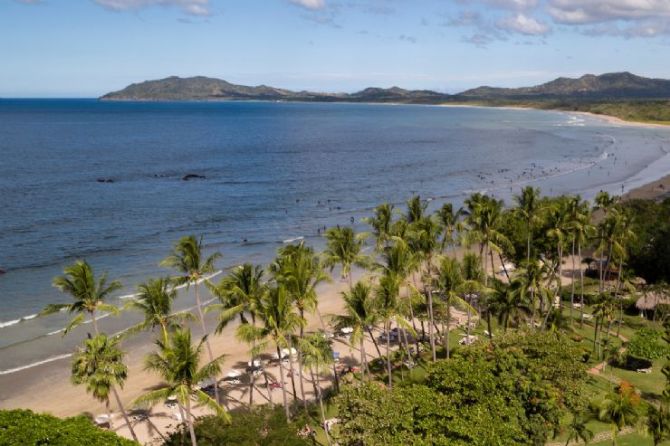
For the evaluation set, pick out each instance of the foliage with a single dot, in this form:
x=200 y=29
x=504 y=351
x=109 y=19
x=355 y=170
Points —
x=24 y=427
x=648 y=344
x=512 y=392
x=650 y=251
x=260 y=427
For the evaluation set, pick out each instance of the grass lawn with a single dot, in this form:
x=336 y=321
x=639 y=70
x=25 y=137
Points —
x=650 y=384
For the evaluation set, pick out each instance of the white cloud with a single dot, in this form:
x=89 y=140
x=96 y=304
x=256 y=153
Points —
x=520 y=5
x=310 y=4
x=597 y=11
x=523 y=24
x=192 y=7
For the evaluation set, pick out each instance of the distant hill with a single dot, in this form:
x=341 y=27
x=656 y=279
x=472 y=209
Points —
x=606 y=86
x=209 y=89
x=614 y=86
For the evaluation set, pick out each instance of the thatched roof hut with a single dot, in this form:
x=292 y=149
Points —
x=651 y=299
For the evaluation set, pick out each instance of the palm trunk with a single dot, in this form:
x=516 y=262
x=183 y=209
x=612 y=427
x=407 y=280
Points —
x=528 y=244
x=364 y=359
x=374 y=342
x=283 y=386
x=320 y=397
x=581 y=279
x=502 y=263
x=388 y=353
x=446 y=329
x=123 y=412
x=95 y=322
x=189 y=416
x=292 y=372
x=201 y=316
x=431 y=328
x=572 y=281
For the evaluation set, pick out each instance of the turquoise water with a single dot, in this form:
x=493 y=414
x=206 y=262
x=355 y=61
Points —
x=273 y=172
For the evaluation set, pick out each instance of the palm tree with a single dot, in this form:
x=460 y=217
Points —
x=558 y=229
x=620 y=408
x=299 y=269
x=344 y=248
x=484 y=217
x=388 y=307
x=508 y=302
x=381 y=224
x=415 y=209
x=605 y=203
x=448 y=220
x=580 y=229
x=423 y=239
x=178 y=363
x=360 y=316
x=578 y=430
x=239 y=294
x=88 y=293
x=400 y=261
x=187 y=259
x=535 y=277
x=473 y=275
x=99 y=365
x=317 y=354
x=278 y=322
x=450 y=284
x=529 y=208
x=155 y=299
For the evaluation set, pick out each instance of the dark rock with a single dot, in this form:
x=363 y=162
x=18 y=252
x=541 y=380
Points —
x=105 y=180
x=193 y=176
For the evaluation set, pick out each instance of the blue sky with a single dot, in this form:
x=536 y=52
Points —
x=85 y=48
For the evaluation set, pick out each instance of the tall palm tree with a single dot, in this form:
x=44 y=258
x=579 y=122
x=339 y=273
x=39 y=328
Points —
x=300 y=271
x=508 y=302
x=580 y=229
x=448 y=220
x=177 y=361
x=239 y=294
x=88 y=293
x=450 y=285
x=484 y=218
x=99 y=365
x=187 y=259
x=605 y=203
x=473 y=276
x=415 y=209
x=278 y=322
x=317 y=354
x=381 y=224
x=388 y=307
x=535 y=278
x=559 y=226
x=154 y=300
x=529 y=208
x=423 y=239
x=344 y=248
x=360 y=316
x=399 y=260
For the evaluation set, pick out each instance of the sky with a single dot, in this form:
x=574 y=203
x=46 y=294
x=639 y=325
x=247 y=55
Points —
x=85 y=48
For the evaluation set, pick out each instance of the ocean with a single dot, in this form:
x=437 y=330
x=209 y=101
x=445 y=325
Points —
x=105 y=182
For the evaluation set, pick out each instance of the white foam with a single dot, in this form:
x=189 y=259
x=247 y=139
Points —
x=291 y=240
x=17 y=321
x=35 y=364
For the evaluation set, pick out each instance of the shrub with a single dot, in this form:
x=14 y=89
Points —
x=260 y=427
x=24 y=427
x=648 y=344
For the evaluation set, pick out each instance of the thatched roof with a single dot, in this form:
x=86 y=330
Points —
x=651 y=299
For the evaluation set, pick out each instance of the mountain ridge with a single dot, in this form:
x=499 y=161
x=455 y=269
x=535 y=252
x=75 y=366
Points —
x=619 y=85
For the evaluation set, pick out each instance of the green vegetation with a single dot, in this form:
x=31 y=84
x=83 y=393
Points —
x=24 y=427
x=506 y=342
